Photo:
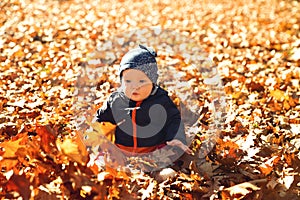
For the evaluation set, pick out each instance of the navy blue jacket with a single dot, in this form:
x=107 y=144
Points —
x=156 y=119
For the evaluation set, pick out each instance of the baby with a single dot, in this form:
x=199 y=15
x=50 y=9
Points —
x=146 y=118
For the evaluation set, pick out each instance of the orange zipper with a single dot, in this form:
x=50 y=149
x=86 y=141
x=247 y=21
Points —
x=134 y=125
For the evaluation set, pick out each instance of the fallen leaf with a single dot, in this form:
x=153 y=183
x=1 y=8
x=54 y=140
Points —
x=8 y=150
x=287 y=181
x=73 y=149
x=239 y=191
x=279 y=95
x=48 y=137
x=20 y=184
x=149 y=191
x=267 y=167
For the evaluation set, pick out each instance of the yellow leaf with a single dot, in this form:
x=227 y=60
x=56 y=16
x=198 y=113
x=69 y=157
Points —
x=104 y=128
x=95 y=125
x=10 y=148
x=73 y=149
x=286 y=105
x=237 y=95
x=92 y=138
x=279 y=95
x=113 y=193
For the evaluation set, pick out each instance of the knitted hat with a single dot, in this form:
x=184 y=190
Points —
x=142 y=58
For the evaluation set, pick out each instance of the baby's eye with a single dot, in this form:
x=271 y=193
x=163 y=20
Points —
x=127 y=81
x=143 y=81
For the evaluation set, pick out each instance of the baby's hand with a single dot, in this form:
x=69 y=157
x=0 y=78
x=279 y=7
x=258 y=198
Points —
x=176 y=142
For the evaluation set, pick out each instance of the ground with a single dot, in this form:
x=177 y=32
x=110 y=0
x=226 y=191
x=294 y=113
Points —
x=47 y=45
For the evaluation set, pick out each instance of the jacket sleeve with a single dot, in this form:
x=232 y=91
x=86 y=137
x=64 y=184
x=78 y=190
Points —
x=174 y=125
x=104 y=114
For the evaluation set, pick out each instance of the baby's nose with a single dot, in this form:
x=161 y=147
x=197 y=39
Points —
x=135 y=86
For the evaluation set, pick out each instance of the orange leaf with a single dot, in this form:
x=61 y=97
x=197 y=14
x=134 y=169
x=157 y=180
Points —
x=105 y=128
x=9 y=149
x=289 y=158
x=48 y=136
x=108 y=130
x=81 y=145
x=94 y=168
x=121 y=175
x=94 y=138
x=265 y=169
x=231 y=148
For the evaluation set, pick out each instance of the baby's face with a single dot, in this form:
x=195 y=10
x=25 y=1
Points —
x=136 y=85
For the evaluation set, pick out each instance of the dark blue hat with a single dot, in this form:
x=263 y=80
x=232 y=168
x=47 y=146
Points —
x=142 y=58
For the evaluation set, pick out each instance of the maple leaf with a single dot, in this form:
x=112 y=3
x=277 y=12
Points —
x=93 y=138
x=9 y=150
x=74 y=149
x=103 y=128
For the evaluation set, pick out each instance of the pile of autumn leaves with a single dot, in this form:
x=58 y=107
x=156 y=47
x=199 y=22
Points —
x=256 y=156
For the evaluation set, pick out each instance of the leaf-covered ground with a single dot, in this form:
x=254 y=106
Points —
x=255 y=45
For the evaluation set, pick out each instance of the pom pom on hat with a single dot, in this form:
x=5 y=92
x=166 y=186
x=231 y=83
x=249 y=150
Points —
x=142 y=58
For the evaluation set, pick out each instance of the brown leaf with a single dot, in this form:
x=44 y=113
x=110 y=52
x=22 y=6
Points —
x=48 y=137
x=20 y=184
x=254 y=86
x=239 y=129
